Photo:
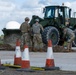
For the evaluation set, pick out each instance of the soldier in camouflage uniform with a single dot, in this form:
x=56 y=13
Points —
x=25 y=31
x=70 y=34
x=37 y=39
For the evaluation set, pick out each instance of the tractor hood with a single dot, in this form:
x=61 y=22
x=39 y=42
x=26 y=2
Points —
x=33 y=19
x=43 y=22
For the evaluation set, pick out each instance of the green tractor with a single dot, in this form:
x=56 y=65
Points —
x=55 y=17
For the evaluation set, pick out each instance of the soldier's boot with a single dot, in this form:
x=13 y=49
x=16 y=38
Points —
x=40 y=50
x=30 y=46
x=30 y=49
x=41 y=47
x=34 y=50
x=22 y=48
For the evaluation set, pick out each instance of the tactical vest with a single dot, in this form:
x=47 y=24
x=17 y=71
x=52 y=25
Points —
x=69 y=32
x=24 y=27
x=36 y=28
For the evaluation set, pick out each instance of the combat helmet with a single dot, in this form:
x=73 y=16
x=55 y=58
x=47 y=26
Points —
x=37 y=20
x=26 y=19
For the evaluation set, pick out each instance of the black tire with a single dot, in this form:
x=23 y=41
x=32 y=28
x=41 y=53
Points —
x=52 y=33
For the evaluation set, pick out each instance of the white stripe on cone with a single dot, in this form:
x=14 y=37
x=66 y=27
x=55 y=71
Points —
x=17 y=51
x=50 y=53
x=25 y=54
x=25 y=58
x=17 y=57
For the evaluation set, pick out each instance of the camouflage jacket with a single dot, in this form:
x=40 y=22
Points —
x=25 y=27
x=68 y=32
x=36 y=28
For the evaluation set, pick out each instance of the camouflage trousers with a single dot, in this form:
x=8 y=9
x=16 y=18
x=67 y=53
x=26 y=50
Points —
x=25 y=40
x=69 y=46
x=37 y=41
x=70 y=41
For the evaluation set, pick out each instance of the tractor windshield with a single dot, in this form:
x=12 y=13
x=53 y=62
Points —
x=67 y=13
x=49 y=12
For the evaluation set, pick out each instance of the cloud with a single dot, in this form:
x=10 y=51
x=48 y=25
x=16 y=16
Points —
x=48 y=2
x=10 y=10
x=72 y=5
x=31 y=4
x=44 y=2
x=6 y=6
x=67 y=4
x=34 y=7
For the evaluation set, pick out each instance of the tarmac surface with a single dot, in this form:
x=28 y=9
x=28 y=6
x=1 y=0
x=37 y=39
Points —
x=65 y=61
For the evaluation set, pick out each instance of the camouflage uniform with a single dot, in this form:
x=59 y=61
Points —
x=25 y=38
x=37 y=39
x=70 y=34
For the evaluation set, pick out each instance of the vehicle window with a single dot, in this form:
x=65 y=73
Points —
x=49 y=12
x=66 y=13
x=60 y=13
x=56 y=13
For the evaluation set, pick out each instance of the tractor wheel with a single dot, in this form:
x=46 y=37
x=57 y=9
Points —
x=52 y=33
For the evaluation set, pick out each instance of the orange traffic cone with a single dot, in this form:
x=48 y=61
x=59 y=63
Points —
x=17 y=57
x=25 y=64
x=50 y=59
x=1 y=66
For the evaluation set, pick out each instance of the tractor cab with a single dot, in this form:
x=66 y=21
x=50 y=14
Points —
x=61 y=13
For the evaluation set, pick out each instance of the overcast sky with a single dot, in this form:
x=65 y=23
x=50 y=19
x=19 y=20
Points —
x=17 y=10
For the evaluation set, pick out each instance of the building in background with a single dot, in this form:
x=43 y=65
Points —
x=11 y=33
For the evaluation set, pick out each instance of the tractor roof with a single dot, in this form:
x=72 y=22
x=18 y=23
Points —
x=57 y=6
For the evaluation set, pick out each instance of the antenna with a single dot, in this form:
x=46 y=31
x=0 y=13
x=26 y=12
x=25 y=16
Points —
x=62 y=4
